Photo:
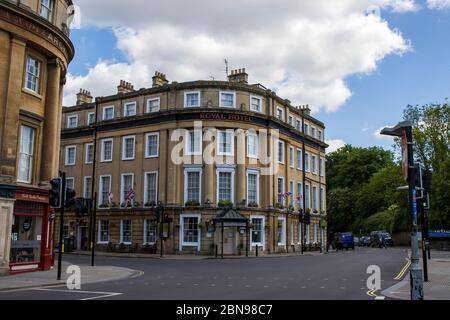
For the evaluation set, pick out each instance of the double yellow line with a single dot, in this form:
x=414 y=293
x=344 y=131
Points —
x=403 y=271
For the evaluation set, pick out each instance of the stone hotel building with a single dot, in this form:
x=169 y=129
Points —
x=206 y=166
x=35 y=51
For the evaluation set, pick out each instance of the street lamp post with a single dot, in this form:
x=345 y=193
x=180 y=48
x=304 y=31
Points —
x=404 y=130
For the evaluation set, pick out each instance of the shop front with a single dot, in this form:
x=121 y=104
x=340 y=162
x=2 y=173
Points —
x=32 y=231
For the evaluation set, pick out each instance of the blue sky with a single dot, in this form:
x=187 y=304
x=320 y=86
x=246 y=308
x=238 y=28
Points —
x=417 y=75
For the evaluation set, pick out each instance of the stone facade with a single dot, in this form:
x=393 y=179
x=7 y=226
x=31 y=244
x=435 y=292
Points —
x=126 y=120
x=34 y=53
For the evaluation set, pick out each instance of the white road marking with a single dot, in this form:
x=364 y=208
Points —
x=102 y=294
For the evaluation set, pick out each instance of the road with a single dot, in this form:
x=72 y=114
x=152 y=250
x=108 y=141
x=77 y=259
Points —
x=333 y=276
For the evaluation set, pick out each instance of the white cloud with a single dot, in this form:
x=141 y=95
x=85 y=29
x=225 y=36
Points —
x=438 y=4
x=305 y=50
x=377 y=134
x=334 y=145
x=401 y=6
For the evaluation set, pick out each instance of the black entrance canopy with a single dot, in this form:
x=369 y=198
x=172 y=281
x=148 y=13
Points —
x=232 y=218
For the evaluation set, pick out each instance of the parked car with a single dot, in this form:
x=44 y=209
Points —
x=364 y=241
x=343 y=241
x=356 y=241
x=377 y=238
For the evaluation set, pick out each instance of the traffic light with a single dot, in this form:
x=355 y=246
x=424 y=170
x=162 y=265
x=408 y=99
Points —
x=55 y=192
x=418 y=179
x=427 y=180
x=70 y=198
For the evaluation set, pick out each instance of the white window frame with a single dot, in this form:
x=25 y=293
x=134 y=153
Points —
x=121 y=231
x=73 y=182
x=100 y=231
x=29 y=156
x=104 y=112
x=189 y=170
x=255 y=136
x=122 y=185
x=227 y=92
x=313 y=132
x=300 y=193
x=86 y=153
x=49 y=9
x=181 y=235
x=280 y=191
x=300 y=233
x=36 y=77
x=314 y=164
x=314 y=198
x=145 y=197
x=321 y=166
x=219 y=142
x=306 y=129
x=320 y=133
x=102 y=149
x=199 y=98
x=292 y=233
x=307 y=233
x=283 y=232
x=88 y=117
x=307 y=162
x=188 y=145
x=67 y=155
x=149 y=100
x=322 y=198
x=263 y=233
x=298 y=124
x=126 y=105
x=253 y=172
x=292 y=191
x=74 y=116
x=308 y=192
x=315 y=233
x=85 y=195
x=147 y=135
x=124 y=157
x=299 y=159
x=282 y=114
x=146 y=224
x=233 y=172
x=291 y=157
x=260 y=103
x=291 y=120
x=100 y=188
x=283 y=152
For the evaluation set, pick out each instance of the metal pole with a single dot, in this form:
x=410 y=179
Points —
x=94 y=223
x=424 y=249
x=61 y=223
x=303 y=181
x=162 y=228
x=94 y=204
x=416 y=281
x=257 y=246
x=221 y=249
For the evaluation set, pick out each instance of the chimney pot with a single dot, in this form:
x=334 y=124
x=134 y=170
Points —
x=239 y=76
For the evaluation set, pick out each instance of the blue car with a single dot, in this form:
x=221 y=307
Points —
x=343 y=241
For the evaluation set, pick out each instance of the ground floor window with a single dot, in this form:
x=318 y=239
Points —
x=292 y=233
x=125 y=231
x=257 y=231
x=150 y=231
x=315 y=233
x=307 y=233
x=300 y=232
x=103 y=231
x=190 y=232
x=281 y=231
x=26 y=239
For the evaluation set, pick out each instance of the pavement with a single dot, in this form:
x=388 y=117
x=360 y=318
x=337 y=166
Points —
x=189 y=256
x=438 y=285
x=89 y=275
x=332 y=276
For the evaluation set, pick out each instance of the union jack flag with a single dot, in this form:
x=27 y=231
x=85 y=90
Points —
x=130 y=196
x=285 y=195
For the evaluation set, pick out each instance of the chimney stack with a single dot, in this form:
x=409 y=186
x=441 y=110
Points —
x=84 y=96
x=306 y=109
x=159 y=79
x=124 y=87
x=238 y=75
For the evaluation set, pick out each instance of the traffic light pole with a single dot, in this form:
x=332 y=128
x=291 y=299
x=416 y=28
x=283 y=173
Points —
x=424 y=246
x=61 y=223
x=94 y=218
x=416 y=281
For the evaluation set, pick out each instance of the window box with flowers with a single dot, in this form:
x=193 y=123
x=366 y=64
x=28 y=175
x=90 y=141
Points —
x=279 y=206
x=252 y=205
x=150 y=204
x=225 y=203
x=192 y=203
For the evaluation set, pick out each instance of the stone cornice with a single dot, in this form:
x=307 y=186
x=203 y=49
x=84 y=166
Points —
x=37 y=25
